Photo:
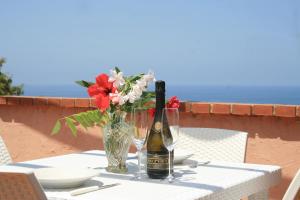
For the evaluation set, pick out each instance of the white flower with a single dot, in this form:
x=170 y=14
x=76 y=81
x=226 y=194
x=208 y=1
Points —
x=125 y=98
x=137 y=90
x=132 y=97
x=116 y=78
x=149 y=77
x=142 y=83
x=134 y=94
x=122 y=99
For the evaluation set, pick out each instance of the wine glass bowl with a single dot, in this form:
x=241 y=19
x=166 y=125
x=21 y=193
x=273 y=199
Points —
x=140 y=133
x=139 y=137
x=170 y=133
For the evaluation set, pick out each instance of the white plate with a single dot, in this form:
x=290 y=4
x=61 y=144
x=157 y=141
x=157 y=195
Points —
x=181 y=155
x=64 y=177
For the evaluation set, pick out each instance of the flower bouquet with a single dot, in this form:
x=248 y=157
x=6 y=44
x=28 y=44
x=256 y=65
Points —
x=115 y=96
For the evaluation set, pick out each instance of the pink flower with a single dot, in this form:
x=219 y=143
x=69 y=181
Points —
x=115 y=97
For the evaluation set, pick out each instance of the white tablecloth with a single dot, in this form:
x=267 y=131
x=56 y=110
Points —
x=215 y=180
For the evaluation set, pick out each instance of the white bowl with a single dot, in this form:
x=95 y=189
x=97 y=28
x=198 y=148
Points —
x=64 y=177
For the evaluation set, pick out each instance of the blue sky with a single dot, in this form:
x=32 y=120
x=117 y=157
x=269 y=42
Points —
x=207 y=42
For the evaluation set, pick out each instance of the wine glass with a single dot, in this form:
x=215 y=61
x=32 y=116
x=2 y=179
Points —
x=141 y=129
x=170 y=132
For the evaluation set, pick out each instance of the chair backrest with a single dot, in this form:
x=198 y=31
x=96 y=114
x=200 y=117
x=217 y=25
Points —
x=20 y=186
x=4 y=154
x=293 y=191
x=214 y=144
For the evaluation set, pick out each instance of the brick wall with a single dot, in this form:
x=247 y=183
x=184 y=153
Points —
x=273 y=130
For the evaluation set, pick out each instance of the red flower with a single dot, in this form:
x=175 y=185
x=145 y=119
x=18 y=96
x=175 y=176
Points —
x=151 y=111
x=173 y=102
x=101 y=90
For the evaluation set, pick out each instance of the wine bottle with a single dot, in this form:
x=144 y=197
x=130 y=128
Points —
x=157 y=153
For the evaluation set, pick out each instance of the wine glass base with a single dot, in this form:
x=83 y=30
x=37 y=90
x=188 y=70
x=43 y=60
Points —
x=170 y=178
x=138 y=177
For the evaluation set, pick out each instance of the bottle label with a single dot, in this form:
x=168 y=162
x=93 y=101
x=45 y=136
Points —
x=157 y=126
x=156 y=161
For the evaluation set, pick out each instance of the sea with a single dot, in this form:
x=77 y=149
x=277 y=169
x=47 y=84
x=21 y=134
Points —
x=200 y=93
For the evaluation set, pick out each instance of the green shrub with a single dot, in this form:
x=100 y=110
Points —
x=6 y=87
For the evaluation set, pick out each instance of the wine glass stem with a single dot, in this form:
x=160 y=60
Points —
x=139 y=163
x=169 y=165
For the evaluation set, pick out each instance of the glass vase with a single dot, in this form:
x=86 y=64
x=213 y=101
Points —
x=117 y=138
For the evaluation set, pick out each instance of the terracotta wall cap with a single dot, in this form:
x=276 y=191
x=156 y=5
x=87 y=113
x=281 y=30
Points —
x=214 y=108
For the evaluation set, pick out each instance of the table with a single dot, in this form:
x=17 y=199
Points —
x=215 y=180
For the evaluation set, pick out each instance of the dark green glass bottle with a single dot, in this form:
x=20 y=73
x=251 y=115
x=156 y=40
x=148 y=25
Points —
x=157 y=153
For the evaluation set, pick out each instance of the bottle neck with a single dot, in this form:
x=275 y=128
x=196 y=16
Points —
x=160 y=103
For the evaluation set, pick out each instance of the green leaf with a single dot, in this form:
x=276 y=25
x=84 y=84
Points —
x=80 y=120
x=103 y=120
x=136 y=78
x=117 y=70
x=87 y=119
x=84 y=83
x=56 y=128
x=72 y=127
x=132 y=79
x=148 y=94
x=96 y=115
x=91 y=115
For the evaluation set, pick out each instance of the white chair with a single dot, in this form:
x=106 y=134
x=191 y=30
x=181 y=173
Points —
x=4 y=154
x=293 y=191
x=214 y=144
x=20 y=186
